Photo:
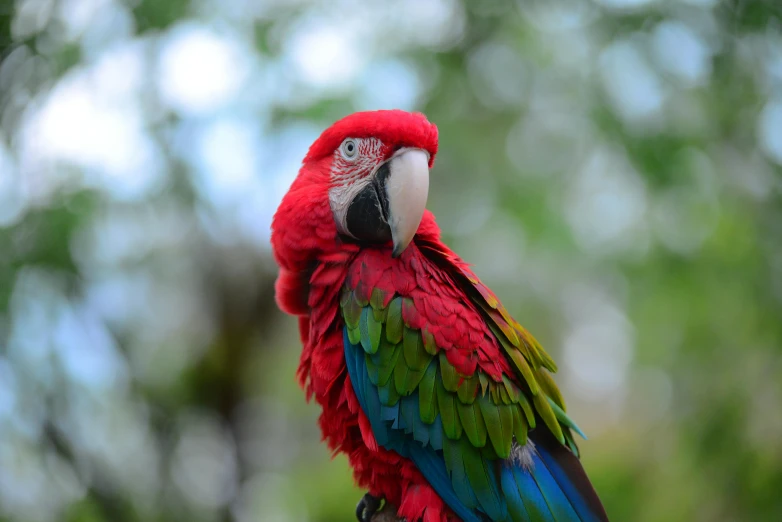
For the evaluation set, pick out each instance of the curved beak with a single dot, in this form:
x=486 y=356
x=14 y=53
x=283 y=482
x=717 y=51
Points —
x=407 y=187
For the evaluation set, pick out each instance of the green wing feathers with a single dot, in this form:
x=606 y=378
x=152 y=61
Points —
x=479 y=415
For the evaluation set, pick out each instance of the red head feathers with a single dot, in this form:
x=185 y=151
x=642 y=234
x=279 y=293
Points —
x=365 y=179
x=395 y=128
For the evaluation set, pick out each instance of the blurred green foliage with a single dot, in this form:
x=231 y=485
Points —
x=612 y=169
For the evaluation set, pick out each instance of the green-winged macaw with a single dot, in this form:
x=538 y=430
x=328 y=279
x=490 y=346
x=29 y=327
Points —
x=443 y=403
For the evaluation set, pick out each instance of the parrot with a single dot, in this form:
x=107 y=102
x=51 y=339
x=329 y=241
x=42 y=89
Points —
x=443 y=403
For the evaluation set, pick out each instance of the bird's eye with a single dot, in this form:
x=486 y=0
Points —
x=349 y=149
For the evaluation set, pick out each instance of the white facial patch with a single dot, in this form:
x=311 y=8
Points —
x=351 y=176
x=340 y=197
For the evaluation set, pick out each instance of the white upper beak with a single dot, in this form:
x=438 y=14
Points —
x=407 y=188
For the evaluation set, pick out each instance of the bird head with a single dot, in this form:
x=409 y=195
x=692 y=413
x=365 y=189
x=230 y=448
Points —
x=373 y=167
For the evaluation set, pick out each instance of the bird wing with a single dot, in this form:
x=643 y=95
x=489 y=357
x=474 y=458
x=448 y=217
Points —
x=449 y=380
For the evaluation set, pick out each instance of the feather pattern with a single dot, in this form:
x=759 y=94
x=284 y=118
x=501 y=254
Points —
x=475 y=487
x=456 y=420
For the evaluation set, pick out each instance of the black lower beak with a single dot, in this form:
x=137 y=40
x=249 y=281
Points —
x=367 y=217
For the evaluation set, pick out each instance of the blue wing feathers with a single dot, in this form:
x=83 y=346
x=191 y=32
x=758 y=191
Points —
x=510 y=489
x=351 y=358
x=390 y=413
x=436 y=434
x=433 y=469
x=527 y=489
x=512 y=493
x=408 y=412
x=558 y=504
x=576 y=500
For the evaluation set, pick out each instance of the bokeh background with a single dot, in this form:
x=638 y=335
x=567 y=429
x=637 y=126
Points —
x=611 y=168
